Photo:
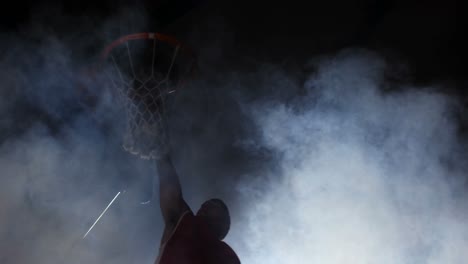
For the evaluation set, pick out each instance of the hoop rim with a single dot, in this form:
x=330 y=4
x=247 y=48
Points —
x=89 y=99
x=145 y=35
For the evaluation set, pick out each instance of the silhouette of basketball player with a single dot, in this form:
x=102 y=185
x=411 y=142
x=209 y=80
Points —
x=190 y=238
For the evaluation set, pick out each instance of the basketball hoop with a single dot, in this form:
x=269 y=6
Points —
x=144 y=69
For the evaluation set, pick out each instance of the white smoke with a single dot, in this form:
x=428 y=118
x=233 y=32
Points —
x=59 y=169
x=360 y=175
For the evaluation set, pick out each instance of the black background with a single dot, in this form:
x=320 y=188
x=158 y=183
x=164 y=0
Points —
x=428 y=34
x=425 y=36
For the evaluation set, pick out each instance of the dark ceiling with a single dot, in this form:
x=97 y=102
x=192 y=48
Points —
x=425 y=34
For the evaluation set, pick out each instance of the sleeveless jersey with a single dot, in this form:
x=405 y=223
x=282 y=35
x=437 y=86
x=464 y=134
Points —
x=193 y=243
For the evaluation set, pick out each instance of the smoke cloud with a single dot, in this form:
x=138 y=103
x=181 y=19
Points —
x=362 y=175
x=60 y=167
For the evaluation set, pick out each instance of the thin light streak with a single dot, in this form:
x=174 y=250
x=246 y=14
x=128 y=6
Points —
x=103 y=212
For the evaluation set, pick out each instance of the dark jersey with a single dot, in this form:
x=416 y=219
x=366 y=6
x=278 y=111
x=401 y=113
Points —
x=193 y=243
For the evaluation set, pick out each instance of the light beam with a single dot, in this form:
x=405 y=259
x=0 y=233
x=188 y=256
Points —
x=103 y=212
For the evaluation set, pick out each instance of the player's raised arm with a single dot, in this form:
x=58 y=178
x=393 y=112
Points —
x=146 y=69
x=171 y=199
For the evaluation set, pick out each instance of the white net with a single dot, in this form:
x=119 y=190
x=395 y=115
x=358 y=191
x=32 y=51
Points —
x=144 y=73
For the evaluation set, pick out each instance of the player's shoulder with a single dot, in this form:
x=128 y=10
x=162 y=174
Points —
x=185 y=222
x=227 y=254
x=220 y=251
x=181 y=227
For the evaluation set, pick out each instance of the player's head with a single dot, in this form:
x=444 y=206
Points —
x=216 y=214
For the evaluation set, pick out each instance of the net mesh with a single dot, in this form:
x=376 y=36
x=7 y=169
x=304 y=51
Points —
x=143 y=75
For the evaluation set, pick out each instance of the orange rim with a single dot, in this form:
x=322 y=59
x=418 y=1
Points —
x=146 y=35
